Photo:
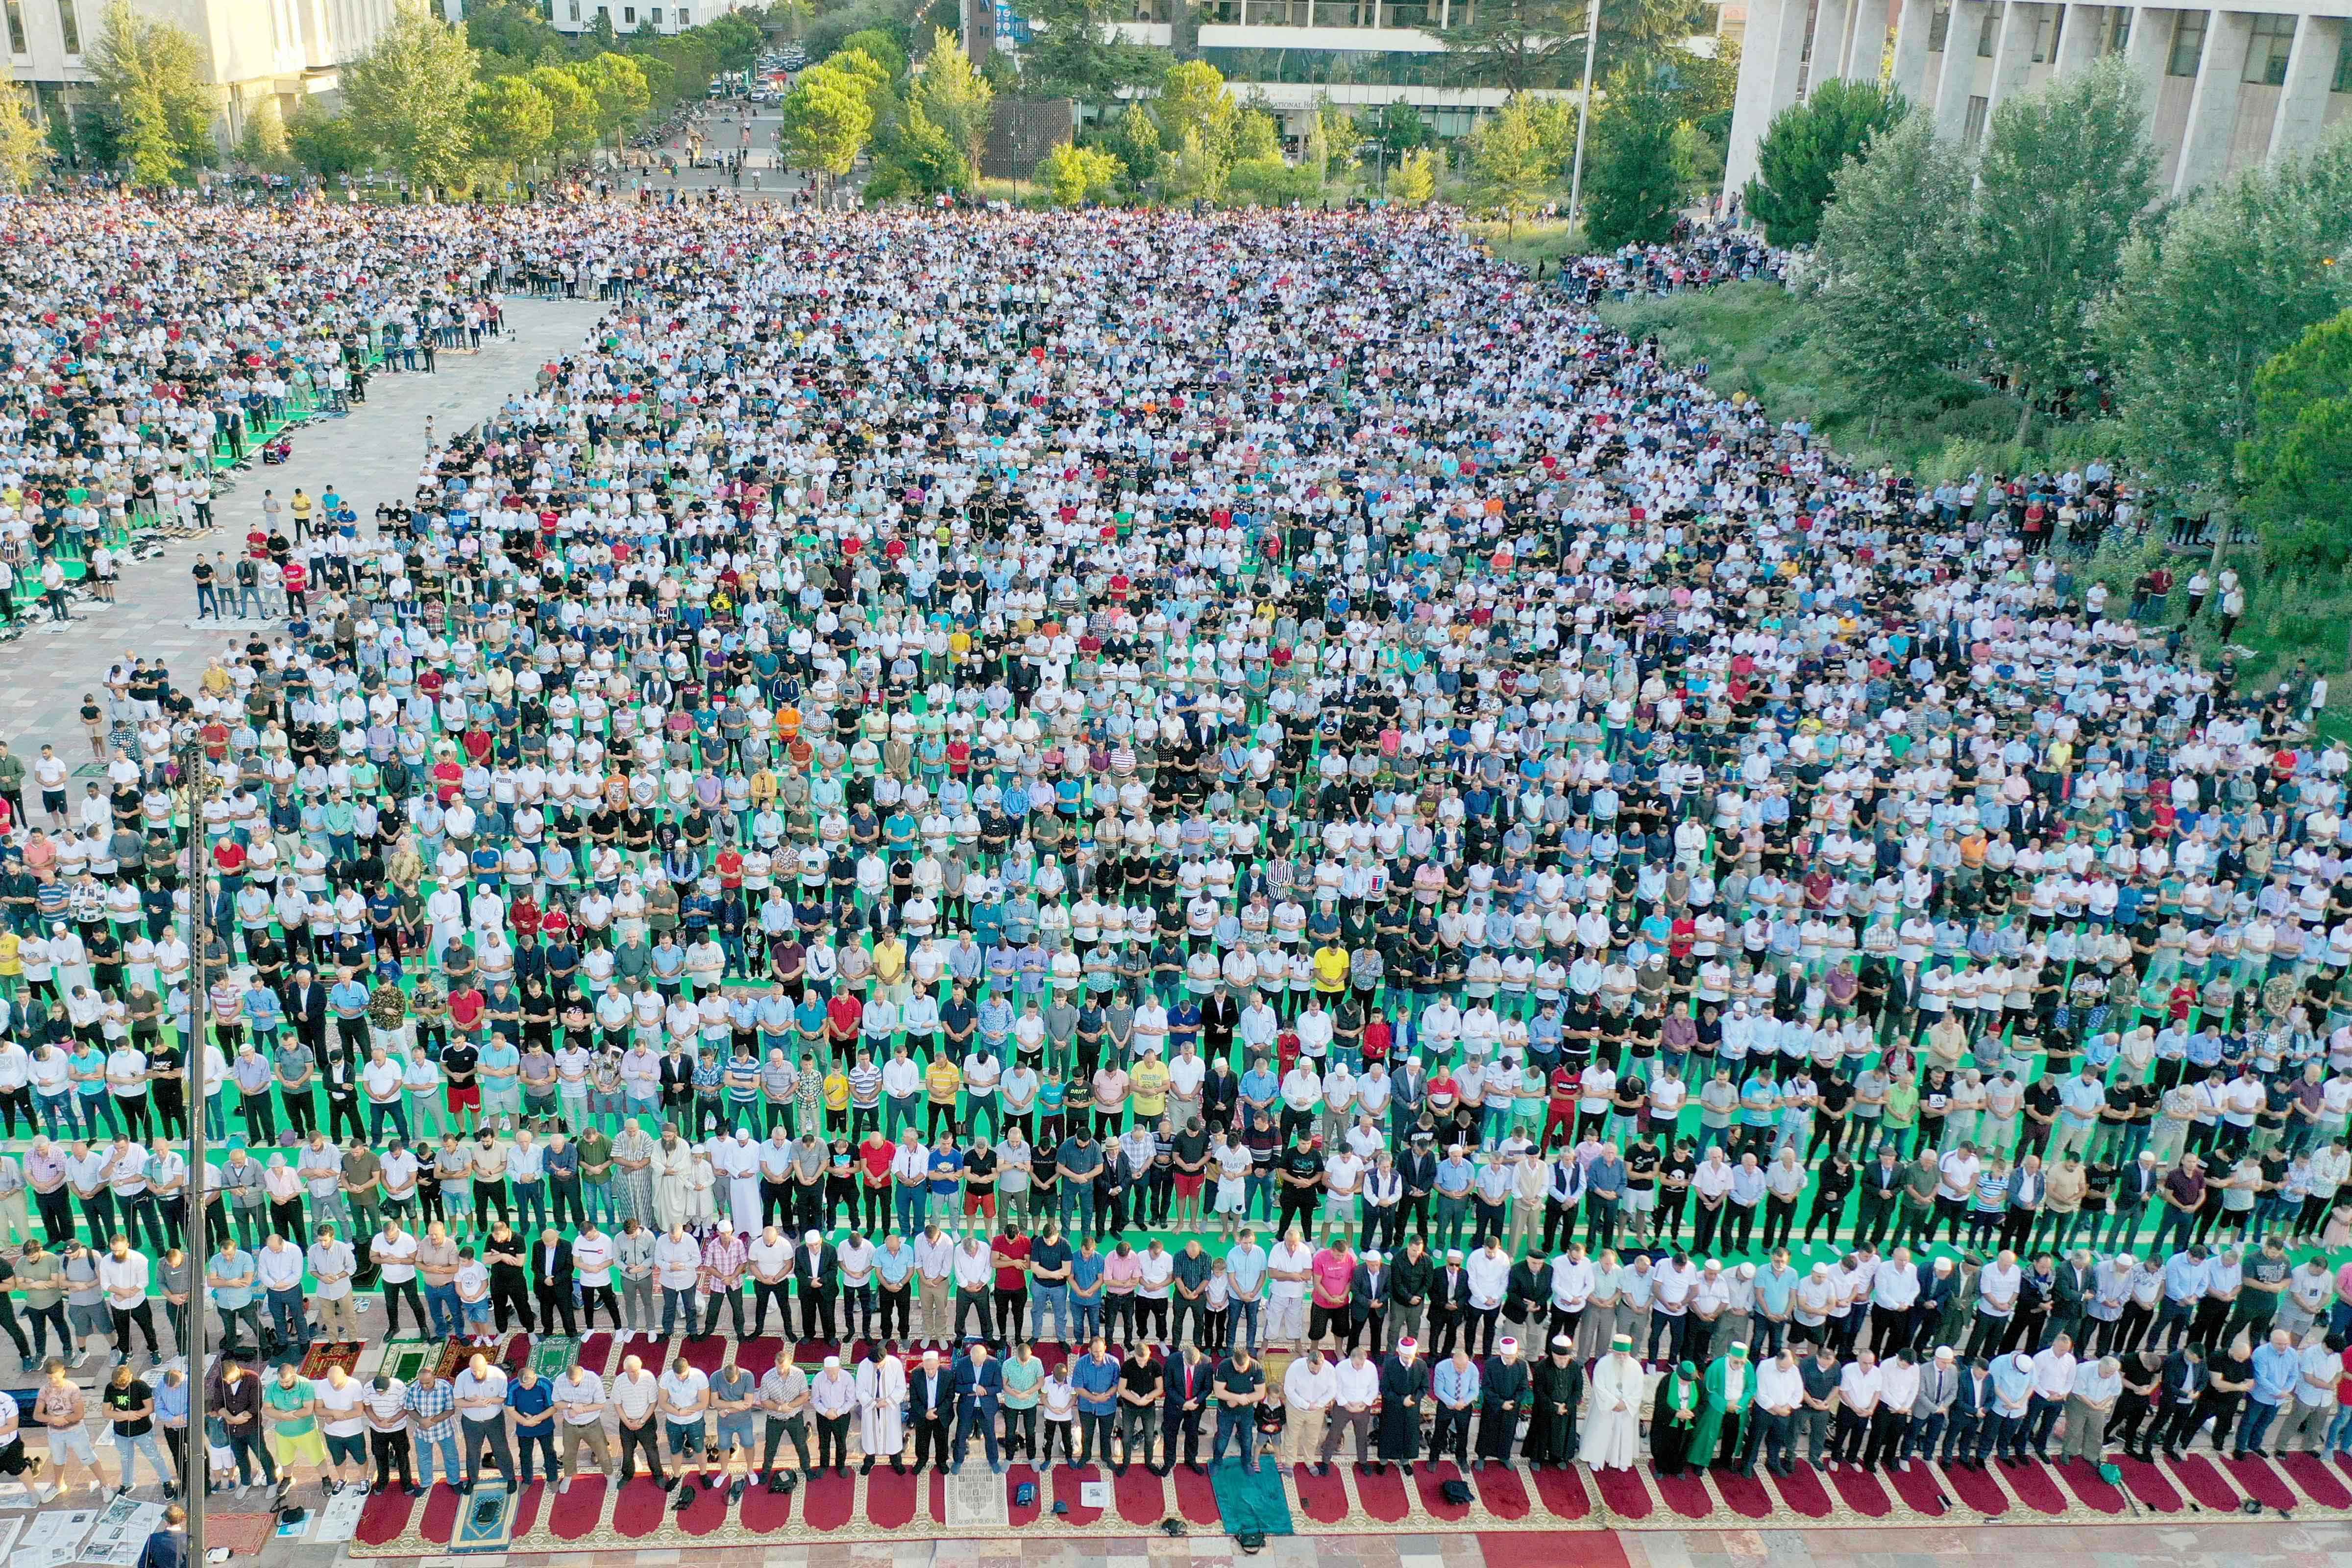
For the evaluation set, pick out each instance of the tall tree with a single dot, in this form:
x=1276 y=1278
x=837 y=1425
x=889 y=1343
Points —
x=2235 y=278
x=1075 y=53
x=2299 y=456
x=1522 y=44
x=2066 y=176
x=1518 y=44
x=572 y=109
x=1640 y=173
x=1805 y=146
x=1193 y=99
x=827 y=120
x=618 y=84
x=324 y=142
x=263 y=141
x=1414 y=183
x=1894 y=237
x=408 y=97
x=512 y=121
x=24 y=151
x=1512 y=167
x=152 y=76
x=955 y=98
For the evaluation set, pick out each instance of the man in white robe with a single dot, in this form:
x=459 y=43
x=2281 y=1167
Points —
x=738 y=1159
x=673 y=1165
x=881 y=1412
x=1612 y=1426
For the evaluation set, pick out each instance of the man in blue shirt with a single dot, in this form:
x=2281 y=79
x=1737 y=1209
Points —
x=1096 y=1377
x=2278 y=1368
x=533 y=1399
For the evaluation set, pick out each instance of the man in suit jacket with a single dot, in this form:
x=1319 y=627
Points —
x=1368 y=1299
x=1185 y=1404
x=980 y=1393
x=1931 y=1413
x=1418 y=1168
x=550 y=1279
x=2077 y=1285
x=817 y=1265
x=1449 y=1303
x=1970 y=1431
x=2134 y=1190
x=306 y=1011
x=931 y=1396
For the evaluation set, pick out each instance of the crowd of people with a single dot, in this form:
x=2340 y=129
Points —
x=1165 y=789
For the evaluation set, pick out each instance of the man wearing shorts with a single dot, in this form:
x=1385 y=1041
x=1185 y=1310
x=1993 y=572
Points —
x=734 y=1397
x=685 y=1401
x=337 y=1397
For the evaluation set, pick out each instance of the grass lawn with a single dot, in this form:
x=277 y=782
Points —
x=1757 y=338
x=1527 y=242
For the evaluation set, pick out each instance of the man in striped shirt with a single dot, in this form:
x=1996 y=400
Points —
x=724 y=1257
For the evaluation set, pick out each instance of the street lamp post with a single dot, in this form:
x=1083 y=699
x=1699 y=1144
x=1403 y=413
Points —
x=1583 y=108
x=195 y=1460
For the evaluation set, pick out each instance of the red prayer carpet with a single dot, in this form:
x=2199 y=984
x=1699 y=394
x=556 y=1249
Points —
x=1382 y=1496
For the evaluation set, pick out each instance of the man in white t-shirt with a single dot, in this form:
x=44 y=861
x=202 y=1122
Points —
x=591 y=1265
x=1285 y=1290
x=394 y=1251
x=481 y=1391
x=684 y=1404
x=344 y=1423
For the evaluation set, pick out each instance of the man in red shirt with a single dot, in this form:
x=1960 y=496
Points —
x=1011 y=1250
x=1560 y=1114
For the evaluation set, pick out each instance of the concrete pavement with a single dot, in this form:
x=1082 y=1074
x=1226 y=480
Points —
x=372 y=455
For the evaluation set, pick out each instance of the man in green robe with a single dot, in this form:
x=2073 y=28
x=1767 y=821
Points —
x=1728 y=1390
x=1673 y=1415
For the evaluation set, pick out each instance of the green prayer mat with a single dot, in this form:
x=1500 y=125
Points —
x=403 y=1359
x=1251 y=1502
x=552 y=1357
x=486 y=1520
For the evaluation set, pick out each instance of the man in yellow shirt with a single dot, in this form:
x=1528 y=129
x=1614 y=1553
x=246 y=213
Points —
x=944 y=1080
x=889 y=957
x=1147 y=1087
x=1330 y=969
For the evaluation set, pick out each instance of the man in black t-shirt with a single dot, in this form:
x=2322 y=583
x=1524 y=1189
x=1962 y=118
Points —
x=1300 y=1176
x=1240 y=1387
x=1140 y=1383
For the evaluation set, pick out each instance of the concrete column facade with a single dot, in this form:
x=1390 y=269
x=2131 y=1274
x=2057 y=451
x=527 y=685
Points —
x=2012 y=55
x=1865 y=45
x=2303 y=101
x=1913 y=25
x=2078 y=41
x=1771 y=63
x=1827 y=56
x=2146 y=48
x=2213 y=105
x=1959 y=75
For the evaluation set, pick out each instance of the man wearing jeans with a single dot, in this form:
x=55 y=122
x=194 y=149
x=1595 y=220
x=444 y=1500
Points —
x=432 y=1408
x=1096 y=1376
x=1245 y=1273
x=1049 y=1283
x=234 y=1398
x=280 y=1267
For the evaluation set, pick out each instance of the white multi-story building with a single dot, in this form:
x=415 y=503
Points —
x=258 y=49
x=2227 y=89
x=1356 y=53
x=638 y=15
